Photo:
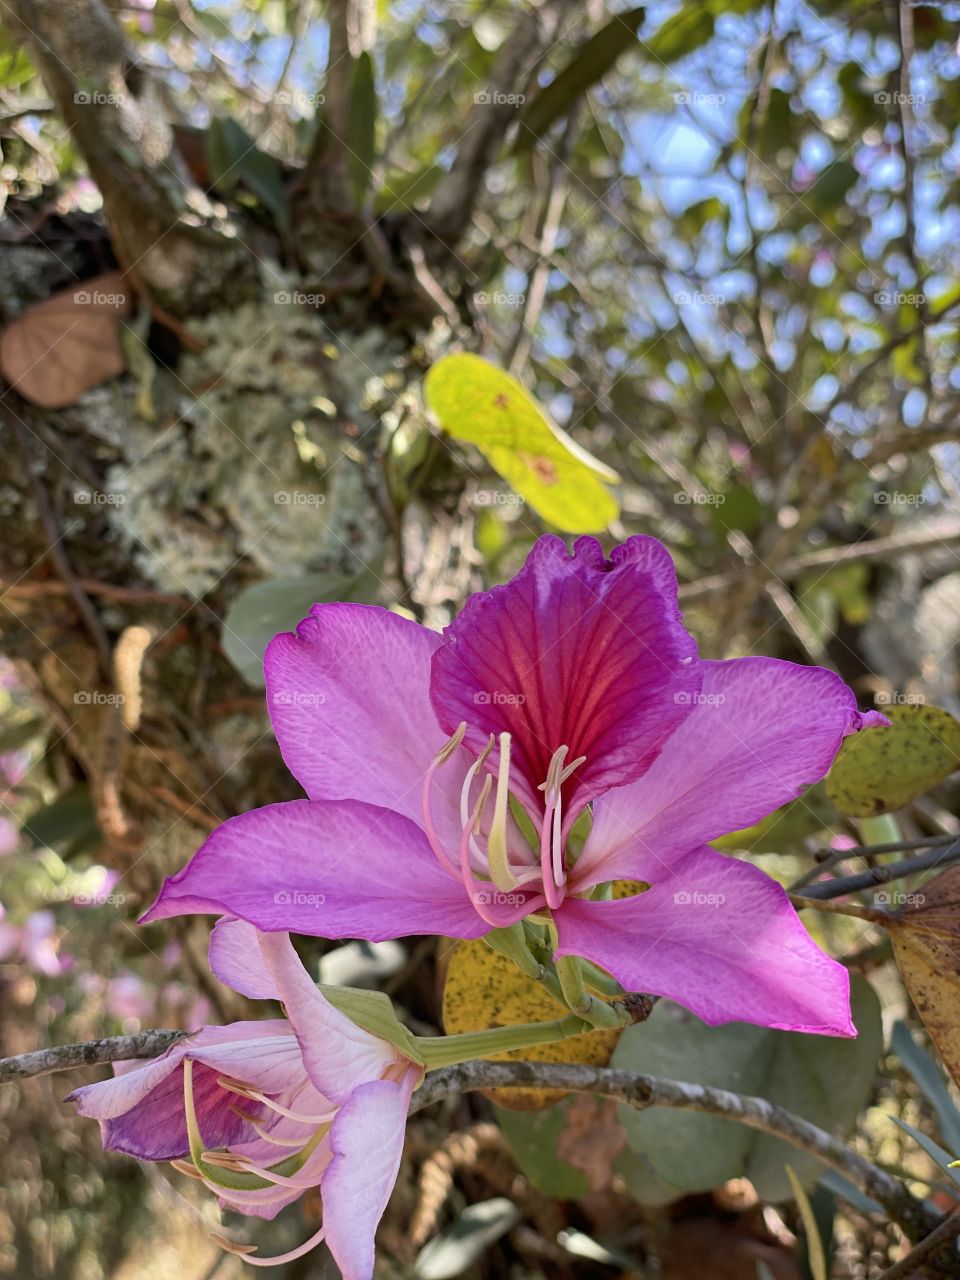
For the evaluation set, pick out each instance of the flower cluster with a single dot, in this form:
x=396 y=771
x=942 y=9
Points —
x=573 y=692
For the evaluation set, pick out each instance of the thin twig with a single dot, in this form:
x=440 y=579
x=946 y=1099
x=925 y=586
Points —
x=64 y=1057
x=948 y=1230
x=869 y=879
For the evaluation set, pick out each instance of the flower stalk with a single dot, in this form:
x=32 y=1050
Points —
x=447 y=1051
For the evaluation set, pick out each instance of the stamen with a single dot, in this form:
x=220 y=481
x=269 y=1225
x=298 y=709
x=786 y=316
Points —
x=181 y=1166
x=551 y=831
x=497 y=857
x=246 y=1251
x=227 y=1160
x=244 y=1091
x=263 y=1132
x=442 y=756
x=465 y=798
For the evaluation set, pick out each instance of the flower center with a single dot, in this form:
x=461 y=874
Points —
x=497 y=874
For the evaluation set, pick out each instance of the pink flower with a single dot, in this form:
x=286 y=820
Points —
x=574 y=685
x=276 y=1107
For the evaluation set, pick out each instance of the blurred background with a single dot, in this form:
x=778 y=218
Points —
x=717 y=242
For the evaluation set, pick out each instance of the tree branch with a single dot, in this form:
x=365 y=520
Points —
x=487 y=123
x=163 y=228
x=914 y=1217
x=64 y=1057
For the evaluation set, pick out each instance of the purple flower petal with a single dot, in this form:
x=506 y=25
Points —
x=349 y=697
x=332 y=869
x=367 y=1141
x=235 y=958
x=141 y=1109
x=576 y=651
x=761 y=730
x=718 y=936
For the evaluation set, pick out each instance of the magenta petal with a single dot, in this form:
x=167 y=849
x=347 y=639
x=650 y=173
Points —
x=720 y=937
x=349 y=697
x=332 y=869
x=367 y=1141
x=577 y=651
x=760 y=732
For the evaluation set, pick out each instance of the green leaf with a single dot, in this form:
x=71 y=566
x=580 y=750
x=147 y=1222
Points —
x=361 y=138
x=816 y=1259
x=888 y=767
x=264 y=610
x=831 y=186
x=942 y=1159
x=65 y=822
x=589 y=64
x=687 y=30
x=466 y=1240
x=475 y=401
x=533 y=1138
x=929 y=1079
x=234 y=158
x=783 y=830
x=823 y=1078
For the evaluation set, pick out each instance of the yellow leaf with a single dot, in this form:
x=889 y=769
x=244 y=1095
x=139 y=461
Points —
x=484 y=989
x=884 y=769
x=475 y=401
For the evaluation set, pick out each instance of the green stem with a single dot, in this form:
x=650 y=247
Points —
x=446 y=1051
x=579 y=999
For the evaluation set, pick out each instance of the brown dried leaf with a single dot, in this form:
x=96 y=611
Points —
x=926 y=944
x=61 y=347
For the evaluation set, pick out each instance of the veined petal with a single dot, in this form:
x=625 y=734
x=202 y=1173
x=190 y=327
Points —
x=761 y=731
x=141 y=1109
x=235 y=958
x=349 y=698
x=337 y=1054
x=577 y=651
x=718 y=936
x=331 y=869
x=367 y=1141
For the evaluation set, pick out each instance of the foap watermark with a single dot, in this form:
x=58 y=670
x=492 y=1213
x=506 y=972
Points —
x=96 y=498
x=896 y=498
x=297 y=698
x=897 y=898
x=498 y=698
x=101 y=899
x=297 y=498
x=301 y=101
x=97 y=698
x=500 y=299
x=886 y=99
x=97 y=98
x=298 y=898
x=497 y=498
x=97 y=298
x=896 y=298
x=883 y=698
x=697 y=698
x=694 y=898
x=699 y=99
x=297 y=298
x=685 y=299
x=497 y=898
x=498 y=99
x=702 y=498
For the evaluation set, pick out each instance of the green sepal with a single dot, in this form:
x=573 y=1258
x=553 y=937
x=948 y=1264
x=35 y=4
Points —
x=374 y=1012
